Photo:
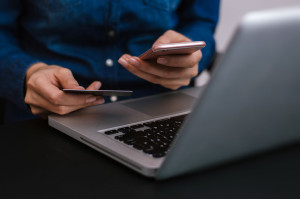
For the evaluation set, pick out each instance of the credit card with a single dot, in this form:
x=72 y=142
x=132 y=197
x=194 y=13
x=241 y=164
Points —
x=100 y=92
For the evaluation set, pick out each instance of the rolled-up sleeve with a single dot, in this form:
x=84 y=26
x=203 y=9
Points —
x=198 y=20
x=14 y=62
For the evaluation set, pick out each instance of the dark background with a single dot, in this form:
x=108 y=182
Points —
x=38 y=161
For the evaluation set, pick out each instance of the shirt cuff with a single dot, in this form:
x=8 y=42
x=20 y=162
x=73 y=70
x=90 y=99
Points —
x=17 y=75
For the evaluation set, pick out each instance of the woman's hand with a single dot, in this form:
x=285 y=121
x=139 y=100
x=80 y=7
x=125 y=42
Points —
x=170 y=71
x=44 y=94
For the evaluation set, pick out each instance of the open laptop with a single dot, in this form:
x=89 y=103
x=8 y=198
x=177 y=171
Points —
x=251 y=104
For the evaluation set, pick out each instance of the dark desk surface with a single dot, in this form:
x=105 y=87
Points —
x=40 y=162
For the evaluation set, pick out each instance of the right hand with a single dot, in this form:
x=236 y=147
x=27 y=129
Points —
x=44 y=95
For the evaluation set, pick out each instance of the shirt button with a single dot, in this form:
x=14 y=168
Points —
x=111 y=33
x=109 y=62
x=113 y=98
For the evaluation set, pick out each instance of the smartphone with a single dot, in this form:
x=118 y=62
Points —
x=172 y=49
x=100 y=92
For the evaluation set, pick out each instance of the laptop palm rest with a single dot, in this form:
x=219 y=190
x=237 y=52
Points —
x=97 y=118
x=162 y=104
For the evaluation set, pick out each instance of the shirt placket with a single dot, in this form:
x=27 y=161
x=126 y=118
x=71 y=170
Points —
x=112 y=43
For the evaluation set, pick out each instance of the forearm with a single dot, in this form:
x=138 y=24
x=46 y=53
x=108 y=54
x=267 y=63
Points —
x=13 y=69
x=14 y=62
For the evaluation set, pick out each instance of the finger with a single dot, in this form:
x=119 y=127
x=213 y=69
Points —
x=66 y=79
x=94 y=86
x=166 y=82
x=34 y=99
x=90 y=98
x=174 y=85
x=54 y=95
x=187 y=61
x=161 y=70
x=44 y=106
x=62 y=110
x=157 y=69
x=38 y=111
x=171 y=36
x=139 y=73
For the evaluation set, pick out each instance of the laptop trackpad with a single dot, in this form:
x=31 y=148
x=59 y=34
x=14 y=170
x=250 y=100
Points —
x=162 y=104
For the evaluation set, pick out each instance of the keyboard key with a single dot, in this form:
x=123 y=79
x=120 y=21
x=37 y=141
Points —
x=130 y=141
x=159 y=154
x=119 y=137
x=111 y=132
x=154 y=140
x=137 y=126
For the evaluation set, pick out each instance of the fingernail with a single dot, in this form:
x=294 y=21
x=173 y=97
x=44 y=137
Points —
x=97 y=85
x=91 y=99
x=126 y=57
x=123 y=62
x=134 y=62
x=99 y=101
x=162 y=60
x=79 y=87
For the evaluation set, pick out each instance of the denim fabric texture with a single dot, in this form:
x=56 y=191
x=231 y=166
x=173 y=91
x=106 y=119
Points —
x=83 y=34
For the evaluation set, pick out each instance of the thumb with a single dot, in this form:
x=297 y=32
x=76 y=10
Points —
x=66 y=79
x=162 y=40
x=171 y=36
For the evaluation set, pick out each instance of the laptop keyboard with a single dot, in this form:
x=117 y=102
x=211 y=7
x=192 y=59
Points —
x=153 y=138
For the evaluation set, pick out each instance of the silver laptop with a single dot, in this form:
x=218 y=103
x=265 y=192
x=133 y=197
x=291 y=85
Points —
x=251 y=104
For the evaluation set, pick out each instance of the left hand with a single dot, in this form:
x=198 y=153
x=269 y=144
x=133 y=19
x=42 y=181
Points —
x=170 y=71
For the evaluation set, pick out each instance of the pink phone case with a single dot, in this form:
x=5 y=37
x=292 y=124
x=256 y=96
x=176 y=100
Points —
x=172 y=49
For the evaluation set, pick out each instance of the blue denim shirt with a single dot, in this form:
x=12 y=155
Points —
x=83 y=34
